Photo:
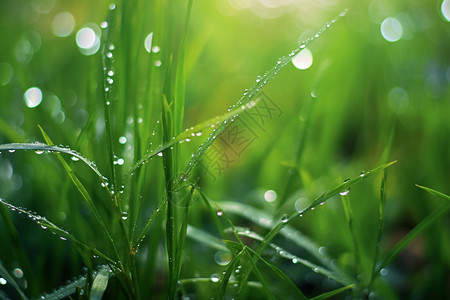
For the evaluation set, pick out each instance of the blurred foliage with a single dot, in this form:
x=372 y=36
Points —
x=365 y=89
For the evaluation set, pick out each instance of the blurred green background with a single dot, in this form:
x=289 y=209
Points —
x=382 y=71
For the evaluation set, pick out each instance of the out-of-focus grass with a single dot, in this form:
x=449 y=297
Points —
x=364 y=89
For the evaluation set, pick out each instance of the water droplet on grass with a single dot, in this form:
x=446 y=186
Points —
x=214 y=278
x=284 y=219
x=18 y=273
x=160 y=154
x=363 y=174
x=219 y=213
x=222 y=258
x=124 y=215
x=39 y=151
x=344 y=193
x=3 y=281
x=12 y=151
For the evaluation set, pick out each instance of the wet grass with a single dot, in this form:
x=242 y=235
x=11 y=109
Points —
x=134 y=181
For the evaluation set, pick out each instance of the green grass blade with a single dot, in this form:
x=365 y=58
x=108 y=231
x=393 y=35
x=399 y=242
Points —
x=11 y=280
x=349 y=216
x=333 y=293
x=63 y=234
x=380 y=226
x=293 y=258
x=144 y=231
x=418 y=229
x=225 y=279
x=100 y=283
x=280 y=273
x=265 y=220
x=38 y=147
x=85 y=195
x=318 y=201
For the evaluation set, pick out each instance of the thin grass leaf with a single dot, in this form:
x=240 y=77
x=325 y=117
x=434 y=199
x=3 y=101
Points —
x=150 y=220
x=12 y=281
x=100 y=283
x=349 y=216
x=40 y=148
x=225 y=279
x=344 y=187
x=85 y=195
x=63 y=234
x=333 y=293
x=279 y=273
x=380 y=226
x=69 y=289
x=291 y=257
x=418 y=229
x=265 y=220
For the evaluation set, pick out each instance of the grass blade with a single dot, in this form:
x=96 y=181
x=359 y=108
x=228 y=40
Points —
x=418 y=229
x=11 y=280
x=349 y=216
x=333 y=293
x=100 y=283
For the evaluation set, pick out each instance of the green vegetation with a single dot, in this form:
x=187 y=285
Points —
x=140 y=159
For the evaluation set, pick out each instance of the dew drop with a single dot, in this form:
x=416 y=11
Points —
x=363 y=174
x=214 y=278
x=39 y=151
x=124 y=215
x=122 y=140
x=219 y=213
x=344 y=193
x=109 y=55
x=12 y=151
x=3 y=281
x=160 y=154
x=384 y=272
x=18 y=273
x=222 y=258
x=63 y=238
x=284 y=219
x=313 y=208
x=294 y=260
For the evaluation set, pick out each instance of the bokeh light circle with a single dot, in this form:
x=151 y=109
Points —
x=32 y=97
x=391 y=29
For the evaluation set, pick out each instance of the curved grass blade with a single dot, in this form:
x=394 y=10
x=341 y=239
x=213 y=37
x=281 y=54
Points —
x=418 y=229
x=141 y=236
x=205 y=238
x=265 y=220
x=85 y=195
x=279 y=272
x=349 y=216
x=318 y=201
x=100 y=283
x=293 y=258
x=38 y=147
x=12 y=281
x=333 y=293
x=79 y=283
x=63 y=234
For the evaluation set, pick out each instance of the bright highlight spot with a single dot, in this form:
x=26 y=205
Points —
x=122 y=140
x=3 y=281
x=63 y=24
x=445 y=9
x=391 y=29
x=270 y=196
x=88 y=40
x=32 y=97
x=303 y=60
x=148 y=42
